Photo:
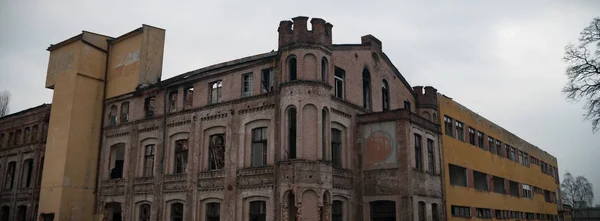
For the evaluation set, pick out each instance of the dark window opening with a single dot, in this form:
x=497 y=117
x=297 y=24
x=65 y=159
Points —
x=124 y=116
x=216 y=151
x=11 y=139
x=460 y=131
x=385 y=95
x=173 y=101
x=366 y=86
x=149 y=160
x=258 y=211
x=26 y=173
x=292 y=133
x=213 y=211
x=461 y=211
x=293 y=69
x=117 y=157
x=422 y=215
x=145 y=212
x=472 y=136
x=324 y=69
x=458 y=175
x=480 y=180
x=177 y=212
x=336 y=148
x=2 y=137
x=149 y=106
x=435 y=214
x=40 y=172
x=27 y=137
x=21 y=213
x=499 y=148
x=499 y=185
x=215 y=92
x=340 y=74
x=324 y=135
x=481 y=141
x=112 y=115
x=430 y=156
x=418 y=153
x=188 y=97
x=259 y=147
x=547 y=196
x=337 y=211
x=491 y=145
x=181 y=156
x=407 y=105
x=514 y=188
x=383 y=210
x=5 y=213
x=114 y=211
x=266 y=80
x=10 y=175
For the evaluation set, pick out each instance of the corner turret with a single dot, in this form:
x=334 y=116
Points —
x=296 y=31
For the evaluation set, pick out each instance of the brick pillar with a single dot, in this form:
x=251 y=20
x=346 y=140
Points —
x=470 y=180
x=507 y=186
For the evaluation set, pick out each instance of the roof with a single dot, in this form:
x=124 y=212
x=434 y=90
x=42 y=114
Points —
x=25 y=111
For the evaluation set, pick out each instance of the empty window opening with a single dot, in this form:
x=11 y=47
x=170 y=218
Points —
x=385 y=95
x=21 y=213
x=149 y=160
x=481 y=141
x=507 y=151
x=480 y=180
x=117 y=159
x=418 y=153
x=513 y=153
x=215 y=91
x=291 y=205
x=422 y=214
x=458 y=175
x=188 y=97
x=340 y=74
x=145 y=212
x=366 y=86
x=324 y=69
x=177 y=212
x=11 y=138
x=267 y=80
x=26 y=173
x=216 y=151
x=173 y=101
x=112 y=115
x=499 y=185
x=10 y=175
x=448 y=126
x=114 y=211
x=5 y=213
x=181 y=155
x=247 y=85
x=292 y=133
x=460 y=131
x=336 y=148
x=383 y=210
x=124 y=112
x=461 y=211
x=472 y=136
x=337 y=211
x=514 y=188
x=484 y=213
x=430 y=156
x=259 y=147
x=292 y=69
x=213 y=211
x=149 y=106
x=258 y=211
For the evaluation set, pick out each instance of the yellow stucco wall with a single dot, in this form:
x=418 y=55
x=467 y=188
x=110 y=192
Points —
x=462 y=153
x=124 y=65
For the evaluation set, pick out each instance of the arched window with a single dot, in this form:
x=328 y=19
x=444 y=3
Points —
x=324 y=69
x=293 y=71
x=5 y=213
x=117 y=160
x=181 y=154
x=337 y=211
x=213 y=211
x=177 y=212
x=324 y=133
x=10 y=175
x=385 y=95
x=216 y=151
x=366 y=89
x=124 y=112
x=421 y=211
x=259 y=147
x=21 y=213
x=292 y=133
x=145 y=212
x=149 y=160
x=258 y=211
x=112 y=115
x=434 y=212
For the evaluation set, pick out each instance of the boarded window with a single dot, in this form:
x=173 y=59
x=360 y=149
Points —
x=259 y=147
x=499 y=185
x=480 y=180
x=216 y=151
x=181 y=155
x=258 y=211
x=458 y=175
x=149 y=160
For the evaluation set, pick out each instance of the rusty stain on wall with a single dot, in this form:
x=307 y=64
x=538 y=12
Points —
x=380 y=148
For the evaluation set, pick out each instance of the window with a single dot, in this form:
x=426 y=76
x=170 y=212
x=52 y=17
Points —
x=484 y=213
x=460 y=131
x=547 y=195
x=21 y=213
x=527 y=191
x=145 y=212
x=5 y=213
x=336 y=148
x=124 y=117
x=514 y=188
x=499 y=148
x=499 y=214
x=40 y=172
x=407 y=105
x=339 y=82
x=259 y=147
x=11 y=138
x=188 y=97
x=461 y=211
x=422 y=214
x=366 y=86
x=213 y=211
x=2 y=140
x=26 y=173
x=215 y=92
x=448 y=126
x=181 y=155
x=430 y=158
x=117 y=159
x=292 y=133
x=216 y=151
x=337 y=211
x=266 y=80
x=480 y=181
x=513 y=153
x=529 y=216
x=481 y=142
x=418 y=153
x=258 y=211
x=385 y=95
x=508 y=155
x=324 y=69
x=292 y=69
x=434 y=212
x=491 y=144
x=499 y=185
x=324 y=135
x=10 y=175
x=177 y=212
x=149 y=106
x=383 y=210
x=247 y=85
x=18 y=137
x=112 y=115
x=173 y=101
x=472 y=136
x=27 y=137
x=458 y=175
x=148 y=160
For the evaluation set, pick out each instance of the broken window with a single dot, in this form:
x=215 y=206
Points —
x=292 y=133
x=215 y=91
x=514 y=188
x=247 y=85
x=480 y=180
x=292 y=69
x=145 y=212
x=458 y=175
x=117 y=157
x=527 y=191
x=213 y=211
x=21 y=213
x=337 y=211
x=481 y=142
x=435 y=215
x=461 y=211
x=173 y=101
x=124 y=112
x=324 y=69
x=430 y=157
x=258 y=211
x=181 y=155
x=491 y=144
x=383 y=210
x=11 y=139
x=422 y=215
x=10 y=175
x=366 y=86
x=385 y=95
x=418 y=153
x=114 y=211
x=472 y=136
x=340 y=74
x=27 y=137
x=324 y=135
x=266 y=80
x=460 y=131
x=499 y=185
x=5 y=213
x=112 y=115
x=259 y=147
x=336 y=148
x=149 y=106
x=177 y=212
x=188 y=97
x=26 y=173
x=148 y=160
x=484 y=213
x=216 y=151
x=448 y=126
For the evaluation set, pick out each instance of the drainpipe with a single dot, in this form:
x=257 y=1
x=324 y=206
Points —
x=164 y=135
x=101 y=126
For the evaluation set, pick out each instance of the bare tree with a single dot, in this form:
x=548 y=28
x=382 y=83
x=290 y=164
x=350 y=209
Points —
x=583 y=72
x=4 y=100
x=576 y=191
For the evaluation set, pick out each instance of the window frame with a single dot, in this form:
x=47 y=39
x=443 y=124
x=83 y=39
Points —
x=263 y=144
x=216 y=148
x=339 y=82
x=214 y=95
x=247 y=84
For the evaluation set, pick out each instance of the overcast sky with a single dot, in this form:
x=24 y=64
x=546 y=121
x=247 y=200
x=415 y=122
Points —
x=500 y=59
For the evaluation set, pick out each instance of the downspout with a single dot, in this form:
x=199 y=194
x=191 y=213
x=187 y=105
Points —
x=164 y=135
x=101 y=126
